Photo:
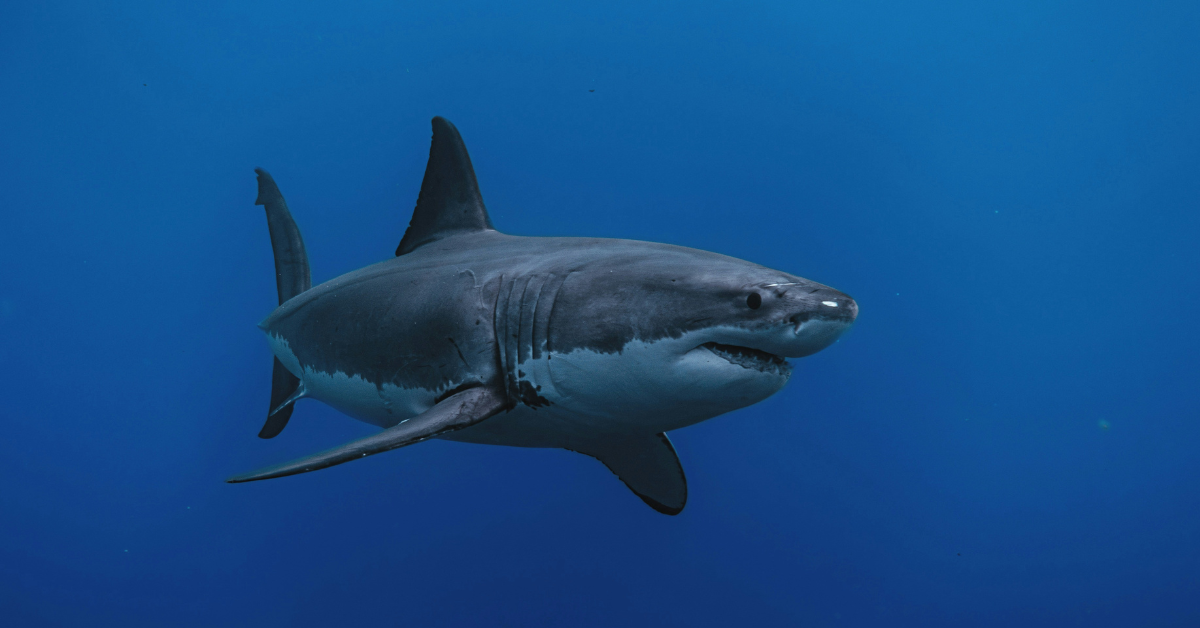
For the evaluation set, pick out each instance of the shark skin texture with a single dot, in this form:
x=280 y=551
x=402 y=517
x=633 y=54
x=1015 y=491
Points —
x=598 y=346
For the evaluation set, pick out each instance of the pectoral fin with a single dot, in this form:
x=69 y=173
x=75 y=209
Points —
x=454 y=413
x=647 y=464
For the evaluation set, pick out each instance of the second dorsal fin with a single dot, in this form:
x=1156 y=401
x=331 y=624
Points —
x=450 y=202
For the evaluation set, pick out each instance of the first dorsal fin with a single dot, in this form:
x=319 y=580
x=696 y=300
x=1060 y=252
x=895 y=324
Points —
x=450 y=202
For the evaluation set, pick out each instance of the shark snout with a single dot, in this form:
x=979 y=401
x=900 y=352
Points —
x=826 y=303
x=823 y=315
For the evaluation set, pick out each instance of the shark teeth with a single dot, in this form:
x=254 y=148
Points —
x=748 y=358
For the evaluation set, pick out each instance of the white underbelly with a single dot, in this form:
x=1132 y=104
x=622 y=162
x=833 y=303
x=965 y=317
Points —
x=656 y=387
x=384 y=405
x=647 y=388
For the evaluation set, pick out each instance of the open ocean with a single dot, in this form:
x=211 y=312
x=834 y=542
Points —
x=1009 y=436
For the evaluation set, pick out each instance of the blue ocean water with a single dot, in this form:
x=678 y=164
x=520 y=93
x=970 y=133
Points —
x=1008 y=436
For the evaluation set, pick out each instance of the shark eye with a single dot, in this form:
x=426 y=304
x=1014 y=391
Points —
x=754 y=301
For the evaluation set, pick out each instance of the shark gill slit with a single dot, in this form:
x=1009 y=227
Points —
x=513 y=337
x=527 y=391
x=500 y=331
x=507 y=333
x=528 y=313
x=541 y=317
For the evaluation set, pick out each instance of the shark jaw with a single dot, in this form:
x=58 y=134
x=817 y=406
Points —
x=809 y=335
x=750 y=358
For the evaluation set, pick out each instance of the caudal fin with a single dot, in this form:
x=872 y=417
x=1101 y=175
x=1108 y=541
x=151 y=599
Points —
x=292 y=277
x=283 y=394
x=291 y=261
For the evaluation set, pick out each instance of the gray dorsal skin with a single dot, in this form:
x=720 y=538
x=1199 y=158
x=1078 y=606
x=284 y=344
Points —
x=292 y=276
x=593 y=345
x=449 y=201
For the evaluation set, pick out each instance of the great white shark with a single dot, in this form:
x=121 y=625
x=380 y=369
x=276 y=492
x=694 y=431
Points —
x=599 y=346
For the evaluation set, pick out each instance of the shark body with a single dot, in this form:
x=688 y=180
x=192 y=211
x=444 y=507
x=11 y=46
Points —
x=594 y=345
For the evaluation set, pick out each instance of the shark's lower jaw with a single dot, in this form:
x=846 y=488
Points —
x=749 y=358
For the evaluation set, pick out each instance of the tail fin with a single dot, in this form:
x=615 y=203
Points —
x=291 y=261
x=292 y=277
x=283 y=393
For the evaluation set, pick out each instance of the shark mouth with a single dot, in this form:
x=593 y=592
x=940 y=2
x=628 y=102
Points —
x=748 y=358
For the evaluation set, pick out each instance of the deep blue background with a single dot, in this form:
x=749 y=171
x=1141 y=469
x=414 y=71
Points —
x=1010 y=190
